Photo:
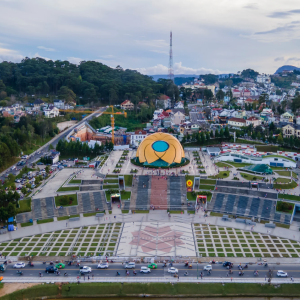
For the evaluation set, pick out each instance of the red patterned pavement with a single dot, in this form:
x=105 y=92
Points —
x=159 y=192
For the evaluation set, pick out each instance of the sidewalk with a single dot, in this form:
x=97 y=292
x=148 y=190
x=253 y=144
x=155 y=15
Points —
x=292 y=234
x=182 y=279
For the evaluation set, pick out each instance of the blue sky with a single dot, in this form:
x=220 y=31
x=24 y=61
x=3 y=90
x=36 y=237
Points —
x=209 y=36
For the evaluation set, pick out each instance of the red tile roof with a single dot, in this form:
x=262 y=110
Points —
x=237 y=120
x=163 y=97
x=126 y=102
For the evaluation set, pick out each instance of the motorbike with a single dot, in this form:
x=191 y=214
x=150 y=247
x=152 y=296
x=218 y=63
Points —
x=265 y=264
x=19 y=272
x=241 y=273
x=65 y=274
x=30 y=264
x=134 y=273
x=246 y=266
x=255 y=274
x=118 y=274
x=186 y=274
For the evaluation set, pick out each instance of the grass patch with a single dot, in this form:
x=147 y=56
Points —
x=125 y=195
x=282 y=180
x=284 y=173
x=66 y=200
x=206 y=187
x=222 y=174
x=75 y=181
x=68 y=188
x=111 y=181
x=251 y=176
x=26 y=224
x=128 y=180
x=45 y=221
x=207 y=181
x=91 y=214
x=238 y=165
x=287 y=186
x=289 y=197
x=66 y=217
x=25 y=206
x=222 y=164
x=214 y=214
x=110 y=186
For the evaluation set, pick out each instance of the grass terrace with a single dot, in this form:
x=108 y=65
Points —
x=251 y=176
x=128 y=180
x=24 y=206
x=125 y=195
x=75 y=181
x=66 y=200
x=222 y=165
x=289 y=197
x=222 y=174
x=287 y=186
x=68 y=188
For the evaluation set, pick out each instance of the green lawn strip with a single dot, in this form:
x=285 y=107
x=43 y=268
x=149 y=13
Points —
x=222 y=165
x=111 y=180
x=25 y=206
x=140 y=211
x=111 y=186
x=125 y=195
x=26 y=224
x=66 y=217
x=207 y=181
x=267 y=148
x=70 y=200
x=176 y=211
x=128 y=180
x=287 y=226
x=289 y=197
x=206 y=187
x=125 y=211
x=287 y=186
x=74 y=290
x=222 y=174
x=111 y=176
x=92 y=213
x=282 y=180
x=190 y=196
x=68 y=188
x=284 y=173
x=75 y=181
x=45 y=221
x=238 y=165
x=251 y=176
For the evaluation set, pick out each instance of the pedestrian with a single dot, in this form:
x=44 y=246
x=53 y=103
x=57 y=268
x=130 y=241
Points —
x=265 y=277
x=67 y=224
x=292 y=279
x=93 y=276
x=231 y=278
x=88 y=277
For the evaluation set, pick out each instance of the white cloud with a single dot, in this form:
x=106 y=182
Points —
x=10 y=55
x=75 y=60
x=47 y=49
x=178 y=69
x=279 y=58
x=37 y=55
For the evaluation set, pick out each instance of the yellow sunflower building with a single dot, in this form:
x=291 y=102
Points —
x=160 y=150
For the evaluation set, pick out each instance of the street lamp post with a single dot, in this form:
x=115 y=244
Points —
x=197 y=268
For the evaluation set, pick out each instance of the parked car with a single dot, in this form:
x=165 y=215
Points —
x=24 y=157
x=281 y=273
x=39 y=163
x=19 y=265
x=145 y=270
x=18 y=180
x=130 y=265
x=51 y=269
x=102 y=266
x=85 y=269
x=173 y=270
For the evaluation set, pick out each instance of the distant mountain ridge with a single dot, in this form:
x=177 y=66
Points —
x=286 y=68
x=156 y=77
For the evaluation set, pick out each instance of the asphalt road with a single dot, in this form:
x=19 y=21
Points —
x=39 y=153
x=217 y=271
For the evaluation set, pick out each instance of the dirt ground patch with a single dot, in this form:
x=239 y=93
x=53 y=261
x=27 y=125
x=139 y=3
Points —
x=9 y=288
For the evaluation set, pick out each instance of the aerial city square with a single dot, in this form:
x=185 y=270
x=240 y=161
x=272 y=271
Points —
x=149 y=161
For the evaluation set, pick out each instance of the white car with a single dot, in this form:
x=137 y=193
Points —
x=102 y=266
x=85 y=269
x=145 y=270
x=172 y=270
x=18 y=180
x=19 y=265
x=24 y=156
x=282 y=274
x=207 y=268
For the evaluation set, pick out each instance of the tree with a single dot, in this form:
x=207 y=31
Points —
x=47 y=169
x=249 y=73
x=211 y=134
x=220 y=95
x=67 y=94
x=280 y=139
x=208 y=95
x=226 y=132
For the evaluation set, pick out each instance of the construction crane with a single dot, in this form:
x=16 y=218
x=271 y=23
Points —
x=77 y=111
x=112 y=113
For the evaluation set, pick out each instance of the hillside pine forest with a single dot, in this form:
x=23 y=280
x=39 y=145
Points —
x=89 y=82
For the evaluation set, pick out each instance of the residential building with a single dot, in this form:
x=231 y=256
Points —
x=51 y=112
x=156 y=113
x=92 y=143
x=137 y=137
x=177 y=118
x=60 y=104
x=127 y=105
x=287 y=117
x=254 y=121
x=38 y=103
x=163 y=102
x=263 y=78
x=167 y=122
x=237 y=122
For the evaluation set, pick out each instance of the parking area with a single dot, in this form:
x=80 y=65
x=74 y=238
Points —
x=214 y=241
x=91 y=240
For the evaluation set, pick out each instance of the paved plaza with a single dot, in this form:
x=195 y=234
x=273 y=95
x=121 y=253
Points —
x=90 y=240
x=215 y=241
x=156 y=239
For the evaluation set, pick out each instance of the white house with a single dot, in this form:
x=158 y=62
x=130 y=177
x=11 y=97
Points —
x=92 y=143
x=51 y=112
x=60 y=104
x=254 y=121
x=237 y=122
x=177 y=118
x=156 y=113
x=263 y=78
x=137 y=137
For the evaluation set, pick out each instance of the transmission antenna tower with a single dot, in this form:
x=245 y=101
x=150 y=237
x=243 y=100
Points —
x=171 y=71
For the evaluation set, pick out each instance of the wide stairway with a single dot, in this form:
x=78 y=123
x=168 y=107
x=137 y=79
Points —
x=177 y=195
x=159 y=192
x=241 y=205
x=143 y=189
